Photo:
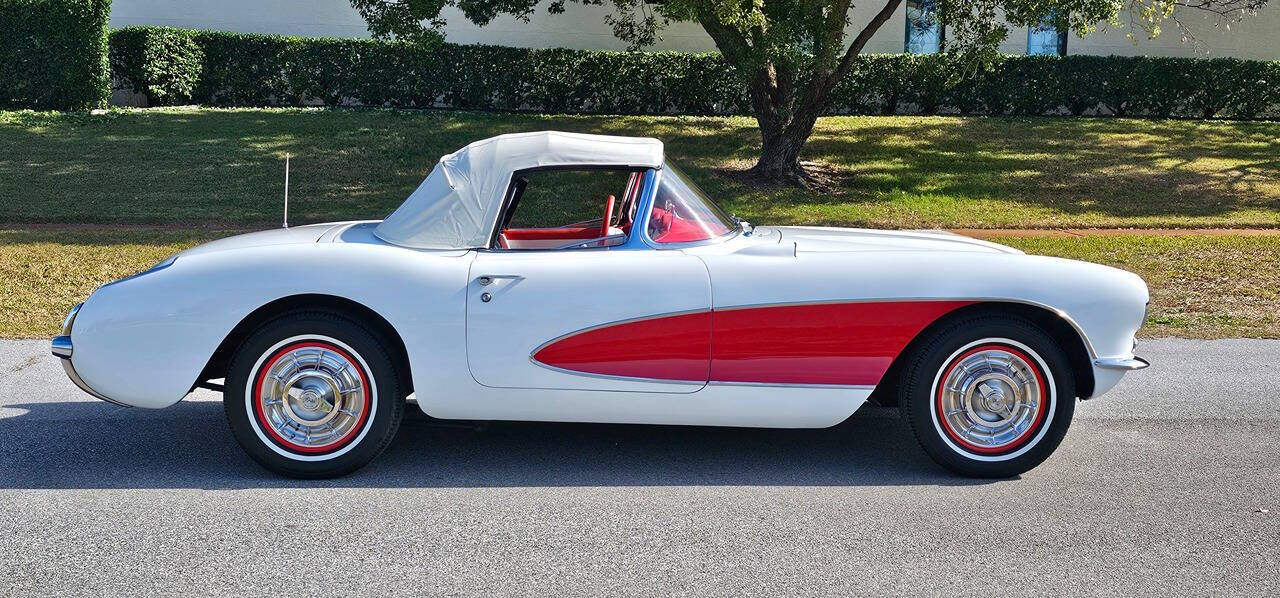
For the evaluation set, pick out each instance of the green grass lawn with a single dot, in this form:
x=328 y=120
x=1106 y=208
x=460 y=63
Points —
x=202 y=166
x=1203 y=287
x=167 y=179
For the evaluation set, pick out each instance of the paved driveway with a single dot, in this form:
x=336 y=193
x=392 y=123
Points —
x=1159 y=489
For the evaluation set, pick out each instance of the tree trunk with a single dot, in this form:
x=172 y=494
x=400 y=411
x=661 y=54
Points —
x=781 y=142
x=785 y=108
x=780 y=157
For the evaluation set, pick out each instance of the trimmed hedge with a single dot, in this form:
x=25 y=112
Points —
x=230 y=69
x=269 y=70
x=53 y=54
x=162 y=63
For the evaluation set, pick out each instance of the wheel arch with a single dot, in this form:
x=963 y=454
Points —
x=217 y=365
x=1054 y=323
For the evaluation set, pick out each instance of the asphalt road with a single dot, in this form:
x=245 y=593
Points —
x=1168 y=486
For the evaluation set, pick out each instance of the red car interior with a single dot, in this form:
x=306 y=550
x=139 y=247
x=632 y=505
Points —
x=526 y=238
x=608 y=217
x=665 y=226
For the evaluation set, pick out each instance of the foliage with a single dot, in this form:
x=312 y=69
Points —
x=268 y=70
x=162 y=63
x=53 y=54
x=231 y=69
x=793 y=54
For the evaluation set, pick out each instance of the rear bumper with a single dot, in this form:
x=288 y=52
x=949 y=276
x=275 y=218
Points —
x=70 y=368
x=61 y=346
x=63 y=349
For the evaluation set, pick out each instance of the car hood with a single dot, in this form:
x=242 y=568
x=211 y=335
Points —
x=309 y=233
x=822 y=239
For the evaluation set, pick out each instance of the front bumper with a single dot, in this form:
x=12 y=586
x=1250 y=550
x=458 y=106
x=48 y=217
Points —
x=62 y=348
x=1122 y=363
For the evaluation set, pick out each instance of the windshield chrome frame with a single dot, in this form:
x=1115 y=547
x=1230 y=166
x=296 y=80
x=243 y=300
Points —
x=649 y=194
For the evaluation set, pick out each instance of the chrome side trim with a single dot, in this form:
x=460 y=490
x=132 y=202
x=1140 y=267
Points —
x=669 y=314
x=973 y=299
x=700 y=383
x=569 y=335
x=1108 y=363
x=704 y=383
x=75 y=378
x=70 y=320
x=1122 y=363
x=61 y=346
x=793 y=385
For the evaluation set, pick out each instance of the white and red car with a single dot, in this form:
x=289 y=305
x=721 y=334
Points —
x=660 y=310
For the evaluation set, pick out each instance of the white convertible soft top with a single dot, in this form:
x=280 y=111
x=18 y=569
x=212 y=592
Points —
x=457 y=205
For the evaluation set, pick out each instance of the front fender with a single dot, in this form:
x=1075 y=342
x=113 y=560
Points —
x=1105 y=305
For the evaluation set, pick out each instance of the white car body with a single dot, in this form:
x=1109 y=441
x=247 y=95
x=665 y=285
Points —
x=148 y=340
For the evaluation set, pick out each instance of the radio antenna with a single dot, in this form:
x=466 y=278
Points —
x=286 y=190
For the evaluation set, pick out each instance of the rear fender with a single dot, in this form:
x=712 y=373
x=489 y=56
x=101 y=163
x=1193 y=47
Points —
x=146 y=340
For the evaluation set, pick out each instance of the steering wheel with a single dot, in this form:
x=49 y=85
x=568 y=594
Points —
x=608 y=217
x=660 y=221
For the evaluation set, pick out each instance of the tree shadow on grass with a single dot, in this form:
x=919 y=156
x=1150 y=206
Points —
x=227 y=166
x=1121 y=168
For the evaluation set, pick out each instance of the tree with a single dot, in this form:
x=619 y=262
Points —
x=794 y=52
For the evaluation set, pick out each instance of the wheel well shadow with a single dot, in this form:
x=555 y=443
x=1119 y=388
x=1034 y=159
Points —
x=221 y=358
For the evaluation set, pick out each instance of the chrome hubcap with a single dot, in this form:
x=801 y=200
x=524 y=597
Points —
x=990 y=398
x=312 y=395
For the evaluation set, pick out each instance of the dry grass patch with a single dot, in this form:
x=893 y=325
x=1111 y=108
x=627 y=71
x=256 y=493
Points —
x=1201 y=286
x=45 y=272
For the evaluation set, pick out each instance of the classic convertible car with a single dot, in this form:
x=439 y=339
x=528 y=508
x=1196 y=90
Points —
x=489 y=296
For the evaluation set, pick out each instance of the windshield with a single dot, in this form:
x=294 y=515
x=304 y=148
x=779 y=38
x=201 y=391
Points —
x=682 y=213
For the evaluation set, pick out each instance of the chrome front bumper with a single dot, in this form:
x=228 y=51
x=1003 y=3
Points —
x=62 y=349
x=61 y=346
x=1122 y=363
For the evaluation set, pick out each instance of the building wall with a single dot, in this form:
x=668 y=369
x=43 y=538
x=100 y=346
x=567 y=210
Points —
x=583 y=28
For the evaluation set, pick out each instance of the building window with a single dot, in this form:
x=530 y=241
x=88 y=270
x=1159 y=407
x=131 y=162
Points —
x=924 y=29
x=1045 y=39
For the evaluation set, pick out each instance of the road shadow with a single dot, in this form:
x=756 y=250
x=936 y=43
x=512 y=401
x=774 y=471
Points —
x=95 y=445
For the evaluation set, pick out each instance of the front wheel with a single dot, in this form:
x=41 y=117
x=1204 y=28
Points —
x=313 y=394
x=990 y=396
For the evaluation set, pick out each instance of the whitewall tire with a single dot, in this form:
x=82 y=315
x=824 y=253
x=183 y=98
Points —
x=988 y=396
x=313 y=394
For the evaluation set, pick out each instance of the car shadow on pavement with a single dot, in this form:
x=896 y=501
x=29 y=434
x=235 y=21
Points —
x=94 y=445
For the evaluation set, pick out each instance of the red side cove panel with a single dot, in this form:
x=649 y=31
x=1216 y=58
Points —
x=536 y=234
x=848 y=344
x=827 y=343
x=664 y=348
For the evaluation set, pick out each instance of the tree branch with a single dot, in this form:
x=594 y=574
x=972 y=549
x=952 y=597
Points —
x=816 y=92
x=833 y=27
x=763 y=84
x=864 y=36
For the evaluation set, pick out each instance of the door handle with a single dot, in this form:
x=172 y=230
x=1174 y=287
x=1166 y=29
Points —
x=489 y=279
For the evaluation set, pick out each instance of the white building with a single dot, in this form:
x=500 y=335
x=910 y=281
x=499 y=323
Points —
x=582 y=27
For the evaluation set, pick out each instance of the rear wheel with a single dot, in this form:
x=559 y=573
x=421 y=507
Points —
x=313 y=394
x=989 y=396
